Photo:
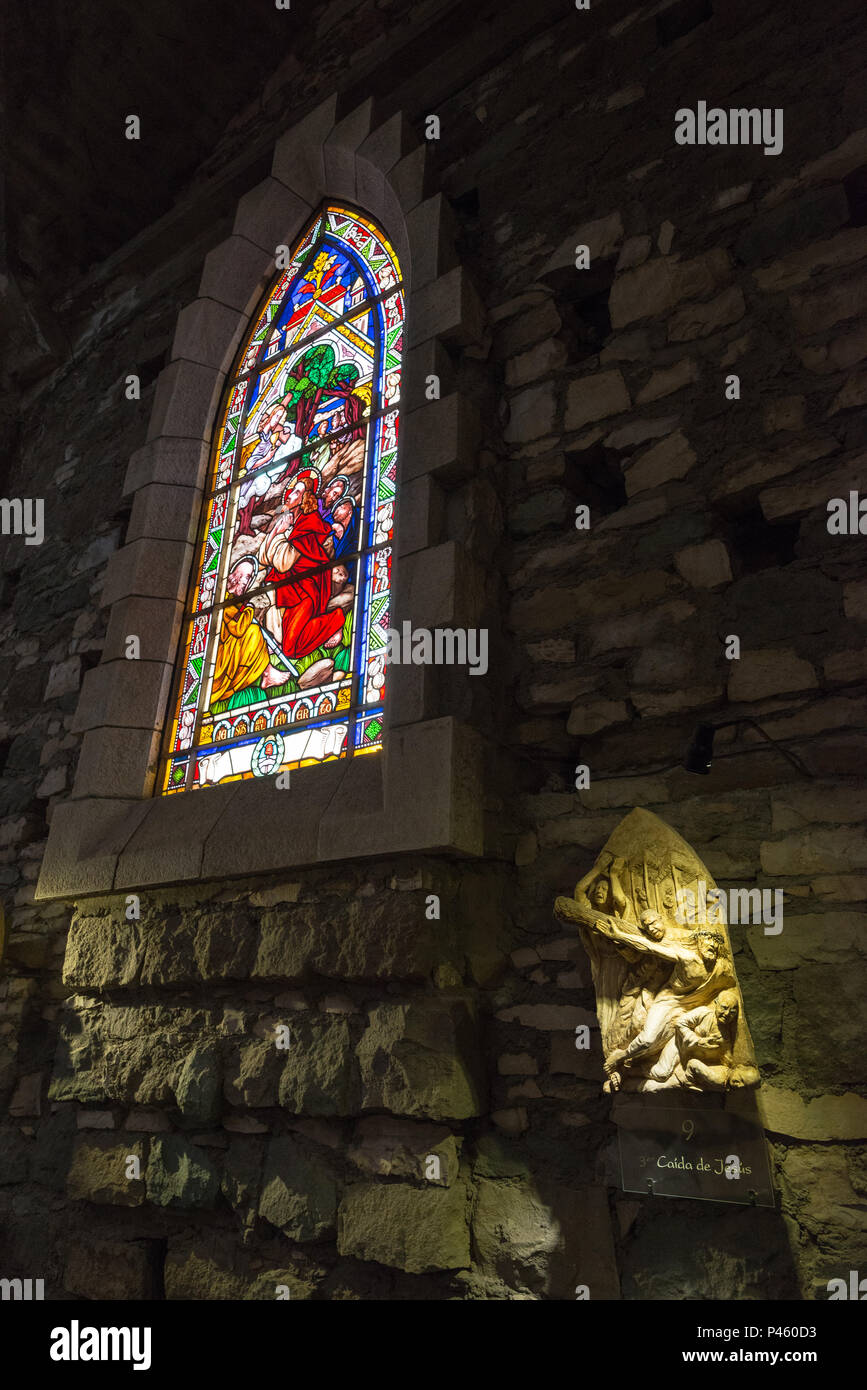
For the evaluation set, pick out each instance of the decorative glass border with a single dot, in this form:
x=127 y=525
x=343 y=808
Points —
x=201 y=747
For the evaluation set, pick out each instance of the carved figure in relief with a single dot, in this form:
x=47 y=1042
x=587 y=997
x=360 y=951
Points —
x=700 y=1053
x=669 y=1007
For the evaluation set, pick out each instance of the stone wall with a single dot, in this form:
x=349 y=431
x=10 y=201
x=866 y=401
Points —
x=414 y=1037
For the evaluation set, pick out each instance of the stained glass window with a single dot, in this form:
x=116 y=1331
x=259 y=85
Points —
x=283 y=648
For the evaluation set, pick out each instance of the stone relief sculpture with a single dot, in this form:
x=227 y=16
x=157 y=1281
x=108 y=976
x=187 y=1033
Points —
x=670 y=1010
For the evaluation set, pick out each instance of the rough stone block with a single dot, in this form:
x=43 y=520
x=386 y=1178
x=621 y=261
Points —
x=430 y=586
x=552 y=508
x=846 y=667
x=389 y=1147
x=198 y=1086
x=668 y=380
x=636 y=250
x=298 y=158
x=319 y=1075
x=208 y=333
x=123 y=694
x=851 y=395
x=410 y=178
x=86 y=839
x=448 y=308
x=546 y=1238
x=64 y=678
x=542 y=360
x=784 y=413
x=517 y=1063
x=176 y=462
x=441 y=438
x=732 y=197
x=430 y=358
x=271 y=216
x=241 y=1175
x=421 y=1059
x=420 y=511
x=102 y=952
x=98 y=1171
x=760 y=674
x=595 y=398
x=639 y=431
x=538 y=320
x=27 y=1097
x=202 y=1268
x=833 y=165
x=235 y=273
x=670 y=459
x=387 y=142
x=410 y=1228
x=819 y=1198
x=706 y=565
x=180 y=1175
x=298 y=1195
x=431 y=229
x=117 y=763
x=274 y=828
x=148 y=569
x=589 y=716
x=817 y=1121
x=799 y=266
x=799 y=220
x=814 y=311
x=699 y=320
x=845 y=349
x=815 y=851
x=822 y=803
x=252 y=1073
x=602 y=237
x=102 y=1269
x=855 y=600
x=653 y=288
x=531 y=414
x=155 y=622
x=829 y=938
x=169 y=844
x=385 y=936
x=94 y=1119
x=810 y=491
x=166 y=513
x=558 y=1018
x=186 y=401
x=340 y=147
x=224 y=944
x=567 y=1059
x=827 y=1005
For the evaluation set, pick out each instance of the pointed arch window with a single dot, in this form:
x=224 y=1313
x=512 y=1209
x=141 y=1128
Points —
x=282 y=660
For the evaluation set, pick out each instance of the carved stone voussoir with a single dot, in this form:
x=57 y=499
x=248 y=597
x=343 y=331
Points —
x=670 y=1009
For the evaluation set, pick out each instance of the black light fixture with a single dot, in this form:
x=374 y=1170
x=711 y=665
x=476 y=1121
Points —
x=699 y=754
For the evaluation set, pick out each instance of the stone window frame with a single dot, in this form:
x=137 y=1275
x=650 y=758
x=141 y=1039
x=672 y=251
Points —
x=422 y=793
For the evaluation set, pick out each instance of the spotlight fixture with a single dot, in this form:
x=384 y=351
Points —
x=699 y=754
